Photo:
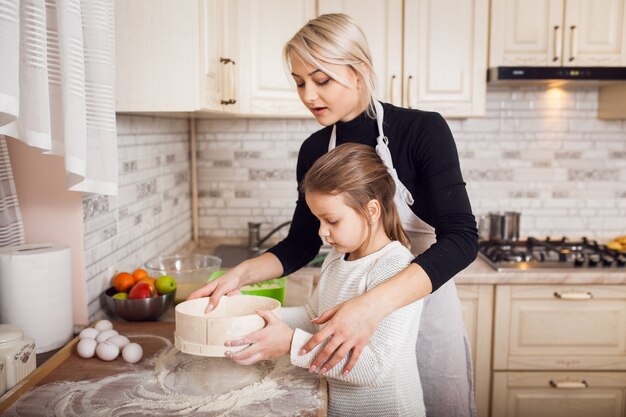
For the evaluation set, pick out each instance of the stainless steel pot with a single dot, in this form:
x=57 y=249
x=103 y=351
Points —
x=500 y=227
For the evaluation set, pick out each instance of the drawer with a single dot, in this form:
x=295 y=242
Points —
x=559 y=394
x=560 y=327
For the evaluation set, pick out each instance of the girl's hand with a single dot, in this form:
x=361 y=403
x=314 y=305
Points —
x=227 y=284
x=350 y=325
x=270 y=342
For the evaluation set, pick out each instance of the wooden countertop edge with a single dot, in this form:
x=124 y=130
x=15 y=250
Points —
x=37 y=375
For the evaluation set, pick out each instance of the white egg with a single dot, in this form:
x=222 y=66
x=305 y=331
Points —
x=119 y=340
x=107 y=351
x=132 y=353
x=103 y=325
x=105 y=335
x=86 y=348
x=88 y=333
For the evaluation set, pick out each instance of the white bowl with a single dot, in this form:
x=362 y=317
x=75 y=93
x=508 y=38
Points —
x=203 y=334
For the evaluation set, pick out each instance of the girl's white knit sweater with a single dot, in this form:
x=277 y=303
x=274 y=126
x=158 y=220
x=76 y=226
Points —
x=385 y=380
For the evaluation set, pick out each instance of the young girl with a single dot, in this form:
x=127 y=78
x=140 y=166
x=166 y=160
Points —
x=351 y=192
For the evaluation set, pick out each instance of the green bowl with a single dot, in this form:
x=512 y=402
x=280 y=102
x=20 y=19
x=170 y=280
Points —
x=273 y=288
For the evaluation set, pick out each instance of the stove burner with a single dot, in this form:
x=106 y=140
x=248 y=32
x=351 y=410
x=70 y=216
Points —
x=550 y=253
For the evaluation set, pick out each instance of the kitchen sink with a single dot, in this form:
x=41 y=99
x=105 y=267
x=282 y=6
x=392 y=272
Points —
x=233 y=255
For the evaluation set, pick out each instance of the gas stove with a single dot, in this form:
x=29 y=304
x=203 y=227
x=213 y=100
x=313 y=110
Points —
x=550 y=253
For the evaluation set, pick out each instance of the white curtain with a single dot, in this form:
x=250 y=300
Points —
x=11 y=226
x=57 y=85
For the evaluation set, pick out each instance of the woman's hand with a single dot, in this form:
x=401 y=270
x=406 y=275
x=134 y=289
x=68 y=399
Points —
x=270 y=342
x=227 y=284
x=350 y=325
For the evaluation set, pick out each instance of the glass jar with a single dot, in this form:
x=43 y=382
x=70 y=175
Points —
x=18 y=353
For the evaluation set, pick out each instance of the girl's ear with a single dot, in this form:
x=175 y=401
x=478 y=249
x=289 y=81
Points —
x=373 y=210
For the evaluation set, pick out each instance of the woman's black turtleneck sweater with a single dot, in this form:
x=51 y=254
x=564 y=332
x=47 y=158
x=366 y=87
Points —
x=426 y=159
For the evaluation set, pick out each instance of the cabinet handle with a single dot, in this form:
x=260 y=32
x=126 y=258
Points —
x=230 y=99
x=573 y=46
x=557 y=43
x=569 y=384
x=392 y=85
x=408 y=92
x=573 y=295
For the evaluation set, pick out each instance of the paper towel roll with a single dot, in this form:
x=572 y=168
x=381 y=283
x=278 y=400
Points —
x=36 y=292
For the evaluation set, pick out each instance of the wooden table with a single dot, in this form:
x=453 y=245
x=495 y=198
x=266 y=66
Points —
x=157 y=383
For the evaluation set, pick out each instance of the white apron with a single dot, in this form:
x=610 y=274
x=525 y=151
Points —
x=443 y=350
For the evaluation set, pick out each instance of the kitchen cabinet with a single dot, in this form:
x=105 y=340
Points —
x=477 y=305
x=381 y=24
x=559 y=350
x=557 y=33
x=425 y=56
x=173 y=56
x=559 y=394
x=263 y=28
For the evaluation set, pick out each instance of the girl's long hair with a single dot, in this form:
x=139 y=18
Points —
x=357 y=173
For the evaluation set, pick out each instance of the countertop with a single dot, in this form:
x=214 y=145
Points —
x=164 y=382
x=479 y=272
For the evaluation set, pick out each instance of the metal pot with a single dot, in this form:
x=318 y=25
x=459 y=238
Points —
x=500 y=227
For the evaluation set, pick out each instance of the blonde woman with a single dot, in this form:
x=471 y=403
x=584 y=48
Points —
x=330 y=63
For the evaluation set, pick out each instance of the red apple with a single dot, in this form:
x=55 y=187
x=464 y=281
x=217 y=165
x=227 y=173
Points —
x=141 y=290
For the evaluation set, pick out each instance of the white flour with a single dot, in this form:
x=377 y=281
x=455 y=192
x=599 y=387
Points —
x=177 y=384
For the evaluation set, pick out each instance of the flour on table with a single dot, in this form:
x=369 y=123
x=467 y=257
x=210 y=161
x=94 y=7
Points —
x=181 y=384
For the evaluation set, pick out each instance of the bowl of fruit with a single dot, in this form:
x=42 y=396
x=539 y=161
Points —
x=138 y=297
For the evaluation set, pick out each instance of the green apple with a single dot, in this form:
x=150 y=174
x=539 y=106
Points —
x=121 y=296
x=165 y=284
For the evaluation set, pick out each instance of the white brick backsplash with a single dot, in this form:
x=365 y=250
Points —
x=222 y=125
x=542 y=152
x=143 y=220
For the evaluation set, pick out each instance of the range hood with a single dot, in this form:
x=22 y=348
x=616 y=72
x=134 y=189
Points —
x=556 y=75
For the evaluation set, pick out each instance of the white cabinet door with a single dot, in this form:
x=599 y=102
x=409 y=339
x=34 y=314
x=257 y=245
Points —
x=168 y=55
x=560 y=327
x=264 y=26
x=477 y=305
x=526 y=33
x=212 y=69
x=445 y=56
x=381 y=21
x=595 y=33
x=559 y=394
x=557 y=32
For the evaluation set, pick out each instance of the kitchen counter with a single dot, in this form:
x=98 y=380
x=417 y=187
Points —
x=164 y=382
x=479 y=272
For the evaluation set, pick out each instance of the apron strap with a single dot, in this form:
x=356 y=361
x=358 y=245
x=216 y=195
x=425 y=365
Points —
x=382 y=149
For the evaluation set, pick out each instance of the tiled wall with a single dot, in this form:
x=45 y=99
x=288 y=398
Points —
x=541 y=152
x=152 y=212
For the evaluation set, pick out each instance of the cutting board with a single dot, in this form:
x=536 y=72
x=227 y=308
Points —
x=164 y=382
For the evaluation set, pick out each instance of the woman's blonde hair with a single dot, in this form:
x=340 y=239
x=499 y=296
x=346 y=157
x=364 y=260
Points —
x=335 y=39
x=357 y=173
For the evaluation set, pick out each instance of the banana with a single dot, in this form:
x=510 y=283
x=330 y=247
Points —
x=615 y=245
